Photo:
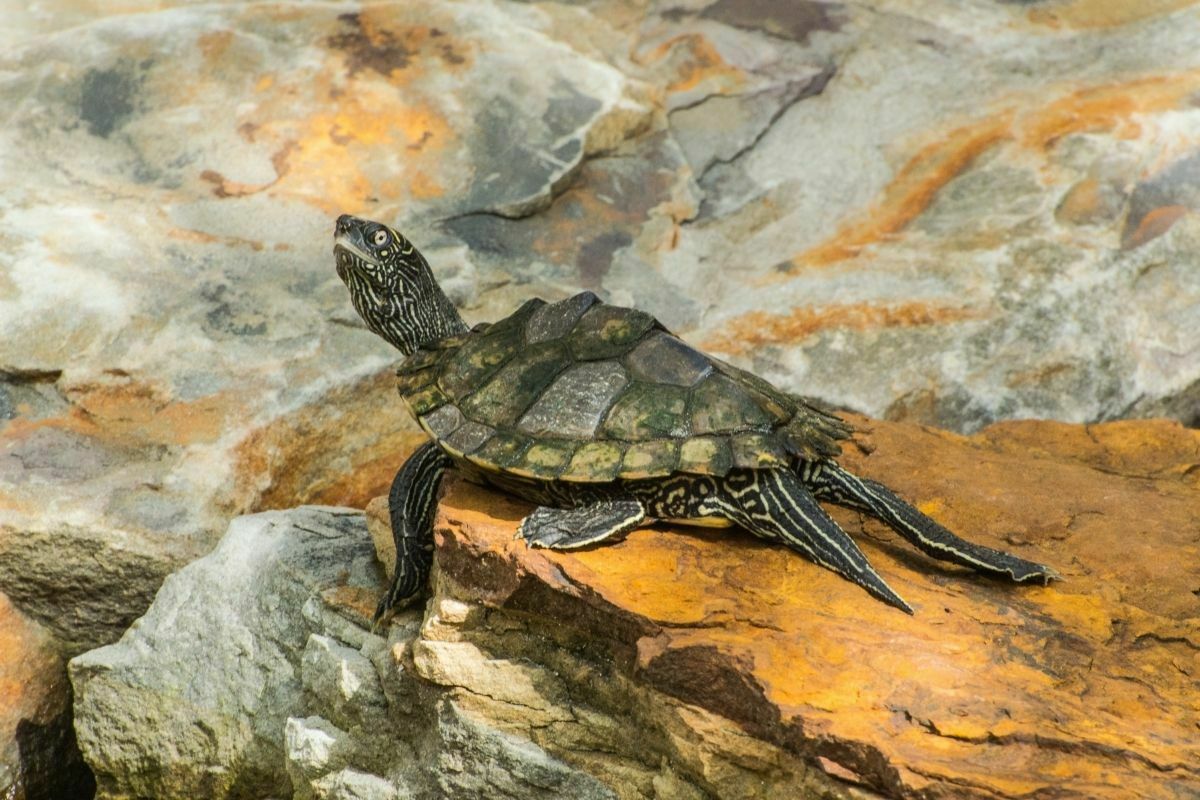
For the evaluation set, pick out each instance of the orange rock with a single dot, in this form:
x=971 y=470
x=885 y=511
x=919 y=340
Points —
x=1087 y=14
x=1090 y=202
x=38 y=755
x=1087 y=688
x=314 y=456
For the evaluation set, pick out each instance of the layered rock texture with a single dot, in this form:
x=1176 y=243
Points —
x=678 y=664
x=946 y=211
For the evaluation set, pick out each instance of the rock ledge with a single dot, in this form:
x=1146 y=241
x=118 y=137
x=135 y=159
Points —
x=682 y=664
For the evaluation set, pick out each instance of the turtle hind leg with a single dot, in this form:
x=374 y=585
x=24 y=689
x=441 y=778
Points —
x=847 y=489
x=774 y=505
x=572 y=528
x=411 y=504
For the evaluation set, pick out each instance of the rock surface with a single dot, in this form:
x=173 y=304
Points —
x=948 y=212
x=679 y=664
x=215 y=667
x=943 y=211
x=1089 y=688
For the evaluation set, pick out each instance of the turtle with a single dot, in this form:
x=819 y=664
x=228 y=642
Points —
x=607 y=422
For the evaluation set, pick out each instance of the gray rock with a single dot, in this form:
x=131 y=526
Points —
x=253 y=675
x=315 y=748
x=349 y=784
x=345 y=679
x=481 y=761
x=194 y=699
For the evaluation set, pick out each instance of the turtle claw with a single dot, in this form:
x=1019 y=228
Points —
x=1035 y=572
x=383 y=615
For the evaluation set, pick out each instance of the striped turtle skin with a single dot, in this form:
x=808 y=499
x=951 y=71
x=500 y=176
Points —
x=608 y=422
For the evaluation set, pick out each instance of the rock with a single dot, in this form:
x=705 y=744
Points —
x=947 y=214
x=295 y=697
x=315 y=748
x=478 y=760
x=166 y=364
x=194 y=699
x=38 y=756
x=810 y=189
x=352 y=785
x=1086 y=688
x=689 y=663
x=923 y=254
x=379 y=524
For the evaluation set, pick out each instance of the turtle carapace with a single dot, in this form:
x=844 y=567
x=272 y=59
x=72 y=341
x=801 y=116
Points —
x=607 y=421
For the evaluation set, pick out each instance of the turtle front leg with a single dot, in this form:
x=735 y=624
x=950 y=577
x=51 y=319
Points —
x=774 y=505
x=572 y=528
x=411 y=504
x=844 y=488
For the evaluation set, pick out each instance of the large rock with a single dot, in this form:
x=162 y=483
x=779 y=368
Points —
x=1086 y=688
x=214 y=668
x=947 y=212
x=683 y=664
x=172 y=324
x=957 y=214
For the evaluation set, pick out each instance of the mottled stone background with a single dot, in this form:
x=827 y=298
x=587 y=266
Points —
x=947 y=211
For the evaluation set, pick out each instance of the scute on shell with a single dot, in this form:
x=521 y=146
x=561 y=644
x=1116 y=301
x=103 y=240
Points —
x=650 y=459
x=502 y=400
x=546 y=458
x=576 y=402
x=608 y=332
x=595 y=462
x=648 y=411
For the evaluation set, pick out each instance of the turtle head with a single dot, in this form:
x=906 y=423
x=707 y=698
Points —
x=391 y=285
x=370 y=251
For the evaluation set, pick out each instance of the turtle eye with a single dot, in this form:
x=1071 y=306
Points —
x=380 y=238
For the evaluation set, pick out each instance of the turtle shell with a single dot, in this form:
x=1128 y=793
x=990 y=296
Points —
x=583 y=391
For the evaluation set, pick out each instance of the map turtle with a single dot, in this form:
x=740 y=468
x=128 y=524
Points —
x=607 y=421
